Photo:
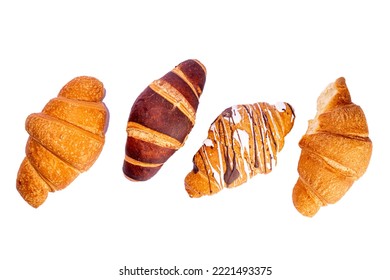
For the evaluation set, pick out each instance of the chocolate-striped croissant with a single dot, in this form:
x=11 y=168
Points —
x=242 y=142
x=336 y=150
x=65 y=139
x=161 y=118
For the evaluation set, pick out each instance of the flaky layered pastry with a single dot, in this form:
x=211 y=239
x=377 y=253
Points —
x=65 y=139
x=242 y=142
x=336 y=150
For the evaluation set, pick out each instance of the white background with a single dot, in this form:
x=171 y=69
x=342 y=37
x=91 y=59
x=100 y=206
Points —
x=254 y=51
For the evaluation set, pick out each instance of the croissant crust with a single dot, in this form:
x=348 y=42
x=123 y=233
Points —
x=161 y=119
x=336 y=150
x=65 y=139
x=242 y=142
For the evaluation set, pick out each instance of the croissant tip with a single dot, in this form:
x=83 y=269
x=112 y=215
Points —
x=191 y=193
x=340 y=82
x=200 y=64
x=133 y=179
x=85 y=88
x=35 y=198
x=189 y=189
x=303 y=201
x=197 y=185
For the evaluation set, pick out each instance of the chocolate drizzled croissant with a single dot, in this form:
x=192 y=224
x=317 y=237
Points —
x=242 y=142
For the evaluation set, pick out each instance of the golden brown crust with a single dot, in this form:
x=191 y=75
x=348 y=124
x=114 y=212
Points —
x=77 y=147
x=349 y=118
x=55 y=172
x=30 y=185
x=242 y=142
x=83 y=88
x=90 y=116
x=305 y=201
x=65 y=139
x=336 y=151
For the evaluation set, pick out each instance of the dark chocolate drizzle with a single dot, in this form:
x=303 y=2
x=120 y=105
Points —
x=231 y=172
x=263 y=142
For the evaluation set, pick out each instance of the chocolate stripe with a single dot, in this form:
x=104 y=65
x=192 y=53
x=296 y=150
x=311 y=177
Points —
x=147 y=152
x=140 y=163
x=173 y=96
x=155 y=112
x=138 y=173
x=183 y=87
x=196 y=91
x=143 y=133
x=194 y=73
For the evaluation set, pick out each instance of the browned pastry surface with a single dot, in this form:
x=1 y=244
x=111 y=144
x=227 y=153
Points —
x=161 y=118
x=65 y=139
x=336 y=150
x=242 y=142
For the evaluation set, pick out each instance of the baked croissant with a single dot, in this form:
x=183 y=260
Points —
x=65 y=139
x=161 y=119
x=242 y=142
x=336 y=150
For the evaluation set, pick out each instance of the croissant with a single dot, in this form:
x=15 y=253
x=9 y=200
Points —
x=242 y=142
x=161 y=118
x=336 y=150
x=65 y=139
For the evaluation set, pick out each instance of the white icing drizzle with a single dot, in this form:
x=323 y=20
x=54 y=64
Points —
x=218 y=174
x=280 y=106
x=245 y=141
x=259 y=142
x=236 y=116
x=242 y=137
x=208 y=142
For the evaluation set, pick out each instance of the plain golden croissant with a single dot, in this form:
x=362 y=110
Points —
x=242 y=142
x=65 y=139
x=161 y=119
x=336 y=151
